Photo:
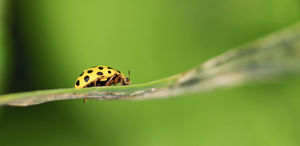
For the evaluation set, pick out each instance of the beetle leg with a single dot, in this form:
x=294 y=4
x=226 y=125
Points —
x=122 y=83
x=110 y=81
x=98 y=82
x=84 y=100
x=116 y=79
x=95 y=83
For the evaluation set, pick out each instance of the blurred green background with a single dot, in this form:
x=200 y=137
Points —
x=47 y=44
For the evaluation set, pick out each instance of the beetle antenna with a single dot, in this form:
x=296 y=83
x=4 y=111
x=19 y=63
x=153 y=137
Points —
x=129 y=74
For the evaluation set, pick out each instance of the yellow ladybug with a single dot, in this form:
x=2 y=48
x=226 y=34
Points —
x=101 y=76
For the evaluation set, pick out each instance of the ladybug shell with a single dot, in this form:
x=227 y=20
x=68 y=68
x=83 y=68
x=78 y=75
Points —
x=95 y=73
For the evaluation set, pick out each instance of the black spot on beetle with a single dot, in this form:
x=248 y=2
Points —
x=89 y=71
x=77 y=83
x=109 y=72
x=99 y=73
x=100 y=67
x=109 y=67
x=118 y=71
x=86 y=78
x=81 y=74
